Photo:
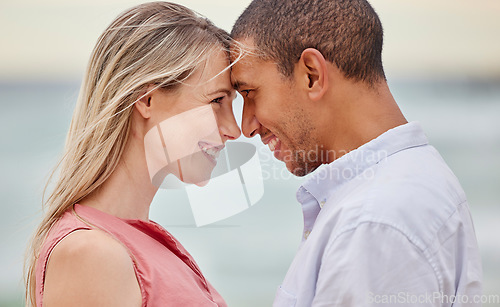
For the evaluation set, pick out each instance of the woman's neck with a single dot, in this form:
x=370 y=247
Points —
x=128 y=192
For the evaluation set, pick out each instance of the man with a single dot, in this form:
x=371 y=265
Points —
x=385 y=220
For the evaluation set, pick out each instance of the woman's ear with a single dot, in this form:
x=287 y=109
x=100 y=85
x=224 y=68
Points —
x=314 y=73
x=143 y=105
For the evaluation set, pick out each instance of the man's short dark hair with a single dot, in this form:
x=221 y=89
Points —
x=347 y=32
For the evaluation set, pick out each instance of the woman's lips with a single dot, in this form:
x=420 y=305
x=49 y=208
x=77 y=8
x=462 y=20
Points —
x=210 y=158
x=210 y=150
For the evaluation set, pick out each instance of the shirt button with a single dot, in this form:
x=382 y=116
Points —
x=322 y=203
x=306 y=234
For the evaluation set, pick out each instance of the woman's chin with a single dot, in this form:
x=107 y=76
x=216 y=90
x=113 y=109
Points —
x=200 y=180
x=202 y=183
x=196 y=170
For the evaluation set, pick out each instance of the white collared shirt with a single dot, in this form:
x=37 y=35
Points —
x=385 y=225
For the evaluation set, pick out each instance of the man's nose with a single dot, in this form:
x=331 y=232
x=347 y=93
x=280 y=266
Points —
x=249 y=123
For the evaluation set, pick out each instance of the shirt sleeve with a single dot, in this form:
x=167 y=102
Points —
x=375 y=264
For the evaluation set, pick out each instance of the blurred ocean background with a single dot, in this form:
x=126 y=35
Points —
x=443 y=76
x=246 y=256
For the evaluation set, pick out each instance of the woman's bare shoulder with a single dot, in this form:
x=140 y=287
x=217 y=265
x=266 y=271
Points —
x=90 y=268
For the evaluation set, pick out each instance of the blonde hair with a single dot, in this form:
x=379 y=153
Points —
x=157 y=43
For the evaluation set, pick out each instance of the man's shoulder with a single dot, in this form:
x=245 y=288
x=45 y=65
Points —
x=415 y=180
x=413 y=191
x=411 y=177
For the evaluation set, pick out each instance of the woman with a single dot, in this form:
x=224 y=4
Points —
x=96 y=245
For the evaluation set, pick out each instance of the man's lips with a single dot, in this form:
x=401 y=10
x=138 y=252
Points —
x=274 y=144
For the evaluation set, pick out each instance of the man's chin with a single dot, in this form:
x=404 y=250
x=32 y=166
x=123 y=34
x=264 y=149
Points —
x=300 y=170
x=296 y=164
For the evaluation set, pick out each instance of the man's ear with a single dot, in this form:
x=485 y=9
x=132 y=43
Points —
x=314 y=73
x=143 y=105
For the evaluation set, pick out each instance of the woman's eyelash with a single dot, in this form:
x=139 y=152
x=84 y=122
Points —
x=217 y=100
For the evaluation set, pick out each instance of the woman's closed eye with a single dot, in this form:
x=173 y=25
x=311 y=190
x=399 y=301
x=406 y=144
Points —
x=218 y=100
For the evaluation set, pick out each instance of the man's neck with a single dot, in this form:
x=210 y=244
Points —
x=357 y=114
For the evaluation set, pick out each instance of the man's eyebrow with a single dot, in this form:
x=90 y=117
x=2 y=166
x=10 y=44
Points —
x=238 y=84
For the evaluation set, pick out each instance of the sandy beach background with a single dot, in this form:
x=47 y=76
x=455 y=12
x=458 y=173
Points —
x=442 y=64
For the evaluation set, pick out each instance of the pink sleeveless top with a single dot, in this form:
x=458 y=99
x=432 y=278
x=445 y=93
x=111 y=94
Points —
x=167 y=274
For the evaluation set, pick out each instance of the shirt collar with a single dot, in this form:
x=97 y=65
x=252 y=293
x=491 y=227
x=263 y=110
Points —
x=328 y=178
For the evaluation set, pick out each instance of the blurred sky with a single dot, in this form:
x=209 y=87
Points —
x=50 y=40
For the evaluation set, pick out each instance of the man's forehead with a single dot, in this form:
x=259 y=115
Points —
x=252 y=72
x=243 y=72
x=244 y=44
x=243 y=50
x=247 y=65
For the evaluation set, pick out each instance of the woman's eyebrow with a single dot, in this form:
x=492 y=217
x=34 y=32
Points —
x=221 y=90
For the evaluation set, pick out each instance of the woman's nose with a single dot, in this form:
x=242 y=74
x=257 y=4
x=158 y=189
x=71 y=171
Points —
x=228 y=127
x=232 y=132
